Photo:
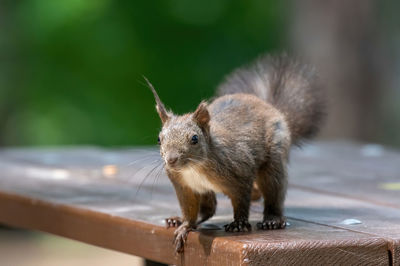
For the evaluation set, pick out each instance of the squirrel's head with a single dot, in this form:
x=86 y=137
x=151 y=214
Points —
x=183 y=139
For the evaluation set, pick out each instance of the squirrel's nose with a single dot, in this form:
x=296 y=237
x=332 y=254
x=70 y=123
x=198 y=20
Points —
x=172 y=159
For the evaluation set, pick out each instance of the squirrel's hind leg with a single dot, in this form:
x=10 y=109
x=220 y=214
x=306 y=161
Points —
x=208 y=205
x=272 y=182
x=255 y=193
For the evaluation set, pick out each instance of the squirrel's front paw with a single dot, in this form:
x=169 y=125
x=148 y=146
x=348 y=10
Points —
x=239 y=226
x=272 y=222
x=173 y=221
x=181 y=234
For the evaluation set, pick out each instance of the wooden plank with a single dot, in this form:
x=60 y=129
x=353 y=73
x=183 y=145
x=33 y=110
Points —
x=365 y=172
x=368 y=172
x=334 y=211
x=301 y=243
x=91 y=195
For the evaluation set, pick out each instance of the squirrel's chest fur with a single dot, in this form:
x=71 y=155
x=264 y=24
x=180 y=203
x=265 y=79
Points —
x=197 y=180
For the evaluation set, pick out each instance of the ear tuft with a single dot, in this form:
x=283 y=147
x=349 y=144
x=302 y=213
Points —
x=162 y=112
x=201 y=116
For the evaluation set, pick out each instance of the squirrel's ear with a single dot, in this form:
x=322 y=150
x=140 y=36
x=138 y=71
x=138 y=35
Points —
x=164 y=116
x=201 y=116
x=162 y=112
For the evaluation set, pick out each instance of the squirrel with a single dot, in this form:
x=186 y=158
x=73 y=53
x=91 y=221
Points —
x=241 y=137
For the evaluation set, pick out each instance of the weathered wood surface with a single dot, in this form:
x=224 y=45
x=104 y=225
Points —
x=92 y=195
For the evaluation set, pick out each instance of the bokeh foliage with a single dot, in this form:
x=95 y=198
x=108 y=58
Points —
x=71 y=70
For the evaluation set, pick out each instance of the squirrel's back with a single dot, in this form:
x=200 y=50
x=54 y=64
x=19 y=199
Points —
x=290 y=86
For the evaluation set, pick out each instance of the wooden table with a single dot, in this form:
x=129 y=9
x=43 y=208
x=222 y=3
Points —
x=105 y=197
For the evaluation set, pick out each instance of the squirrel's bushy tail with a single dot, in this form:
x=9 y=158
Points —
x=290 y=86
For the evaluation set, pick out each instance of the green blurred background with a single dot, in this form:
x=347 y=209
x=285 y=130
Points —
x=71 y=70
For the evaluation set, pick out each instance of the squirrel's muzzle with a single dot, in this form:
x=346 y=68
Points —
x=172 y=159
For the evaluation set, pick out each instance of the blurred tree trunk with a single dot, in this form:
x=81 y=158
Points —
x=341 y=39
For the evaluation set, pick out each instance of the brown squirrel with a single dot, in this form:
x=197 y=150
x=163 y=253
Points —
x=242 y=136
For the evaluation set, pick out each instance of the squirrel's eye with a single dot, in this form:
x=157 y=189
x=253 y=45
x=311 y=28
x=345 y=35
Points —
x=159 y=141
x=195 y=139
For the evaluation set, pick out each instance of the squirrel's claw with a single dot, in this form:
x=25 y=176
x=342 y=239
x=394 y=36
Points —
x=173 y=221
x=271 y=223
x=238 y=226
